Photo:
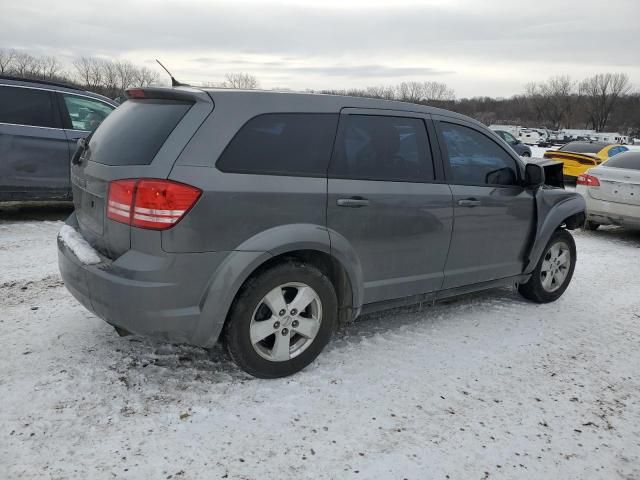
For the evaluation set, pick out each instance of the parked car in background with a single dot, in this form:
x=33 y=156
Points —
x=612 y=192
x=40 y=125
x=264 y=218
x=578 y=157
x=520 y=148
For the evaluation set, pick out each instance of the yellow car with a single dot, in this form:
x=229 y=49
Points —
x=578 y=157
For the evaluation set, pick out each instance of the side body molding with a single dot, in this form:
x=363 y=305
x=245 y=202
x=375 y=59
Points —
x=227 y=279
x=553 y=207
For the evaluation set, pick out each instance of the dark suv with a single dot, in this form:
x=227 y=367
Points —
x=264 y=218
x=40 y=124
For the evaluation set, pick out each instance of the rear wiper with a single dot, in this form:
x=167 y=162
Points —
x=83 y=146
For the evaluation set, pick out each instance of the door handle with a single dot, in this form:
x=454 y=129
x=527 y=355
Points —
x=469 y=202
x=353 y=202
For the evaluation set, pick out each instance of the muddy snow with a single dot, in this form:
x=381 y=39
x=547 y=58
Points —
x=489 y=386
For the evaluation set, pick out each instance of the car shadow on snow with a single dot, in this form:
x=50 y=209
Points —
x=151 y=361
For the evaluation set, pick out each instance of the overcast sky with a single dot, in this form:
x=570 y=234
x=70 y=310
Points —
x=477 y=47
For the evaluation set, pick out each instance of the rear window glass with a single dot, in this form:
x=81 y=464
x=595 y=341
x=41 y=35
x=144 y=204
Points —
x=296 y=144
x=628 y=160
x=26 y=106
x=582 y=147
x=135 y=131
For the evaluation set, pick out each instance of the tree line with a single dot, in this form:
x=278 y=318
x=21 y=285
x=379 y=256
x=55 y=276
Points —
x=601 y=102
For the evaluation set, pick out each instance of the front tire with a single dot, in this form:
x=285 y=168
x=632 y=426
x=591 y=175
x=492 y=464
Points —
x=554 y=270
x=281 y=320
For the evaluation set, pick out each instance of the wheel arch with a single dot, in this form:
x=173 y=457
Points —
x=556 y=208
x=303 y=242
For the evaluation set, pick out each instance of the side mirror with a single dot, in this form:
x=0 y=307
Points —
x=533 y=175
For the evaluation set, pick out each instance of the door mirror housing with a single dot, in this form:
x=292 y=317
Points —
x=533 y=175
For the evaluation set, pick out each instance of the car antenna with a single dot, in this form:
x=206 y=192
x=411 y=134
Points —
x=174 y=82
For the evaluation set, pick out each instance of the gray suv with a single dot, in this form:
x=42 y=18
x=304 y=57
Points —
x=263 y=219
x=40 y=124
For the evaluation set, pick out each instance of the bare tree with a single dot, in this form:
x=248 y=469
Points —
x=240 y=80
x=437 y=92
x=24 y=64
x=381 y=91
x=601 y=93
x=146 y=77
x=411 y=92
x=90 y=72
x=7 y=58
x=51 y=67
x=552 y=100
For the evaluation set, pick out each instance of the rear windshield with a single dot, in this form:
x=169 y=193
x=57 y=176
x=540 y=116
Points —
x=628 y=160
x=135 y=131
x=582 y=147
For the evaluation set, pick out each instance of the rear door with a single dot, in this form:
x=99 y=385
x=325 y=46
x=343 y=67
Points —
x=493 y=213
x=34 y=155
x=385 y=200
x=140 y=139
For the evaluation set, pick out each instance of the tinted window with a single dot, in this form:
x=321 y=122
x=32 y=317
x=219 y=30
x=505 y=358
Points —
x=282 y=144
x=616 y=150
x=476 y=159
x=583 y=147
x=382 y=148
x=85 y=113
x=508 y=138
x=27 y=106
x=629 y=160
x=135 y=131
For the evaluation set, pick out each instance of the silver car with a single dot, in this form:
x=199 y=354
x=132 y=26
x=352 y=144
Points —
x=612 y=192
x=263 y=219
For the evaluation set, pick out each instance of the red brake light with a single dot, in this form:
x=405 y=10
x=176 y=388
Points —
x=120 y=200
x=135 y=93
x=153 y=204
x=588 y=180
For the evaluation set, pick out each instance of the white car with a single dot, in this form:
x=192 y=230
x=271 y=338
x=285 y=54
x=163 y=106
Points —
x=612 y=192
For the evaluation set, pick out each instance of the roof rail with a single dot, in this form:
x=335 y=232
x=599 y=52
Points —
x=44 y=82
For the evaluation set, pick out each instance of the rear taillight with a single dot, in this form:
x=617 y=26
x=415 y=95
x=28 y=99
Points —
x=588 y=180
x=150 y=203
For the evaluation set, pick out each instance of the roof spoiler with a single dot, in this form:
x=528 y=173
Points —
x=187 y=95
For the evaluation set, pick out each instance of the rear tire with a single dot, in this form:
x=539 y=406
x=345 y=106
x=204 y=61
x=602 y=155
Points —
x=266 y=335
x=589 y=225
x=554 y=270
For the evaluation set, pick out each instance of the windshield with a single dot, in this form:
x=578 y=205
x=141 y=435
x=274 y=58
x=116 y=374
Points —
x=628 y=160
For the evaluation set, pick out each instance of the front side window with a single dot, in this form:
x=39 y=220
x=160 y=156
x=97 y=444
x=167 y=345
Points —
x=475 y=159
x=372 y=147
x=27 y=106
x=510 y=139
x=85 y=113
x=297 y=144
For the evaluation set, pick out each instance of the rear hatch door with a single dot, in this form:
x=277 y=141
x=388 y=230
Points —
x=142 y=138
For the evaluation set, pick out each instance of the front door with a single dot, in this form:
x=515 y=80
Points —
x=494 y=214
x=383 y=200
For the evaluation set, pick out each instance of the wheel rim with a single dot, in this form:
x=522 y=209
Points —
x=286 y=321
x=555 y=266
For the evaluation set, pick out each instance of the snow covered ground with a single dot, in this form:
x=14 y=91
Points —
x=489 y=386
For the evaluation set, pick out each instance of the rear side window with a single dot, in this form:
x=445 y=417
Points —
x=370 y=147
x=135 y=131
x=85 y=113
x=616 y=150
x=297 y=144
x=27 y=106
x=628 y=160
x=475 y=159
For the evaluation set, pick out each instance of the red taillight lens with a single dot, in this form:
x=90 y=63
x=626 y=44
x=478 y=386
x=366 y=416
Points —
x=588 y=180
x=120 y=200
x=153 y=204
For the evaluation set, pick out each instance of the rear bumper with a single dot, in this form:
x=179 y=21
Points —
x=611 y=213
x=158 y=296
